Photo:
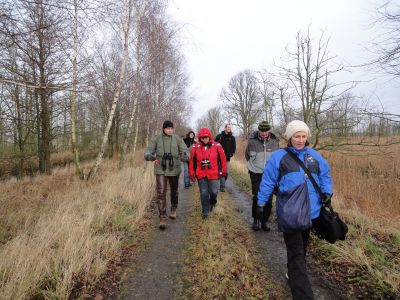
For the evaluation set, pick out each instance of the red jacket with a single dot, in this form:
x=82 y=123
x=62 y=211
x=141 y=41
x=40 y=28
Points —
x=213 y=152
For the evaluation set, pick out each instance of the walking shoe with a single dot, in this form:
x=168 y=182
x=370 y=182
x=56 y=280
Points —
x=265 y=226
x=222 y=189
x=212 y=206
x=187 y=186
x=163 y=222
x=204 y=217
x=172 y=215
x=256 y=225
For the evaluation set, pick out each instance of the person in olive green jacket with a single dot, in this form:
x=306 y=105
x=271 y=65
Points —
x=167 y=150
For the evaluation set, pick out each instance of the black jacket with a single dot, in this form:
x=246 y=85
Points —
x=228 y=142
x=188 y=141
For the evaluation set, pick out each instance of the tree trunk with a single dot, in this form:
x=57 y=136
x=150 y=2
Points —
x=99 y=158
x=75 y=149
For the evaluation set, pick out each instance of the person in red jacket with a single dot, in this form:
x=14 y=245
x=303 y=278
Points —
x=203 y=166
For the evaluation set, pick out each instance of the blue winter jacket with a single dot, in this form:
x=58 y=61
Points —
x=282 y=171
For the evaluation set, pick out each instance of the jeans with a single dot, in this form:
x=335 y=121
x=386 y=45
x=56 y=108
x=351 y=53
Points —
x=222 y=180
x=296 y=247
x=208 y=194
x=186 y=178
x=161 y=187
x=255 y=179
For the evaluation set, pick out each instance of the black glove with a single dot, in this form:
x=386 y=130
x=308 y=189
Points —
x=326 y=200
x=259 y=212
x=149 y=157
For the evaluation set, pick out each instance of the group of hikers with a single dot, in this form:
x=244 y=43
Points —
x=272 y=171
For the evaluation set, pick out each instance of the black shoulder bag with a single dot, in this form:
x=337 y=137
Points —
x=328 y=225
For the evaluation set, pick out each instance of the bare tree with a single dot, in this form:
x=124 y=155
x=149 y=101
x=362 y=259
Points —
x=241 y=100
x=125 y=20
x=213 y=119
x=386 y=46
x=310 y=69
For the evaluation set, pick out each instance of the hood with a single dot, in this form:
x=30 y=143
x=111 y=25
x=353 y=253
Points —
x=204 y=132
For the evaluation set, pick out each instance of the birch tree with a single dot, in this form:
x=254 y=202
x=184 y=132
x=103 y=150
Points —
x=126 y=20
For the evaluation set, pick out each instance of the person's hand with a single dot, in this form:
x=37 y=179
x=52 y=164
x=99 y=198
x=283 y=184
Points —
x=149 y=157
x=157 y=162
x=259 y=211
x=326 y=200
x=192 y=179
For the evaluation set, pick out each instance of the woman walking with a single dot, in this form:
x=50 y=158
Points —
x=294 y=187
x=203 y=166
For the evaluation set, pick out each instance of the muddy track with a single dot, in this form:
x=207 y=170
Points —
x=155 y=273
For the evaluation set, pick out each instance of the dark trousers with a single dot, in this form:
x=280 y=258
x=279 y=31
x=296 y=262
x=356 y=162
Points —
x=296 y=247
x=161 y=186
x=208 y=194
x=255 y=179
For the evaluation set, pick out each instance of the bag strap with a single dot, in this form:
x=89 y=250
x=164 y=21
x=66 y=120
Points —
x=307 y=171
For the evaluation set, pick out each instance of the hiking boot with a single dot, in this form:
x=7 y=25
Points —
x=265 y=226
x=172 y=215
x=163 y=222
x=256 y=225
x=222 y=189
x=212 y=206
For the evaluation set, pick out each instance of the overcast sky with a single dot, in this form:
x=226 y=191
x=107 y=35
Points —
x=223 y=37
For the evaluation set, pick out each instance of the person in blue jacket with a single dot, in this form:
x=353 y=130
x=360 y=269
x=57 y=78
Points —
x=283 y=172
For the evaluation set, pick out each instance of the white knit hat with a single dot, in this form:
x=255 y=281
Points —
x=296 y=126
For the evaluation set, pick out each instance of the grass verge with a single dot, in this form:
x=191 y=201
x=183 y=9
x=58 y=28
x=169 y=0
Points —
x=220 y=260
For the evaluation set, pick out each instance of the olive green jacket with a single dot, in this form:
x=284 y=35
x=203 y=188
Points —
x=162 y=144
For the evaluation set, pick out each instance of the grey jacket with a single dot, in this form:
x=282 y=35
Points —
x=258 y=151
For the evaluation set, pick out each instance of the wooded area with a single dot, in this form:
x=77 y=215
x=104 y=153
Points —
x=85 y=75
x=98 y=78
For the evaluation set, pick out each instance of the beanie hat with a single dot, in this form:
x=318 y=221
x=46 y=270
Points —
x=296 y=126
x=204 y=132
x=167 y=124
x=264 y=126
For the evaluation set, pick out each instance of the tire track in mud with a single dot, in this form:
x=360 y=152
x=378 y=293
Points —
x=273 y=251
x=155 y=273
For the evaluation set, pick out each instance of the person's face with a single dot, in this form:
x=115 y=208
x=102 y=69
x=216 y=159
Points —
x=191 y=135
x=205 y=139
x=264 y=134
x=169 y=130
x=228 y=128
x=299 y=139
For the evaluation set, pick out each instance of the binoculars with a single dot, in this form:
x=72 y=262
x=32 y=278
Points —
x=167 y=158
x=205 y=163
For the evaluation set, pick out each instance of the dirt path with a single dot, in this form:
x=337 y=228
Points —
x=154 y=275
x=273 y=250
x=155 y=271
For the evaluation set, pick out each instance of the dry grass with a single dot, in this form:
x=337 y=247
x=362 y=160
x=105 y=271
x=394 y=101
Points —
x=57 y=230
x=367 y=195
x=221 y=261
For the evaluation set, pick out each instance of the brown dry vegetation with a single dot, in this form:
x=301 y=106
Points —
x=367 y=195
x=221 y=262
x=56 y=229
